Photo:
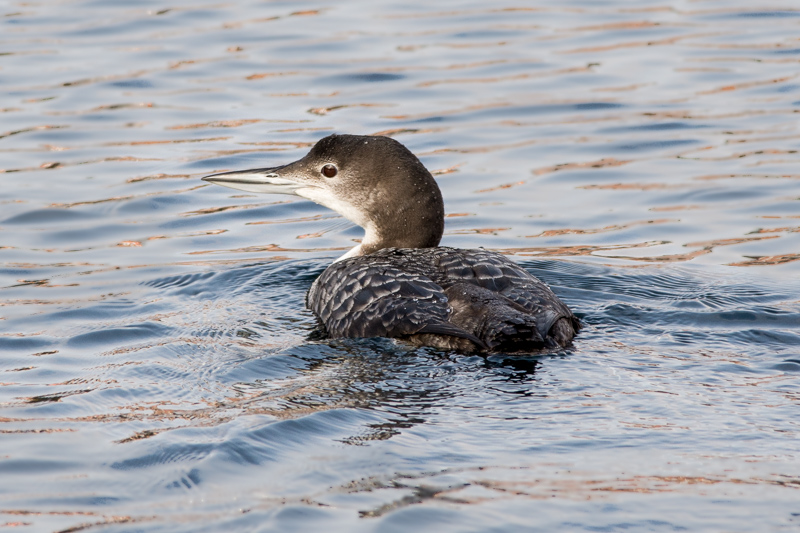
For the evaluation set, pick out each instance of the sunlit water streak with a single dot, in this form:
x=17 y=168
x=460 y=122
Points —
x=160 y=371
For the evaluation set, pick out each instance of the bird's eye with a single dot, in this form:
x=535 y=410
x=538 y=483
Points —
x=329 y=170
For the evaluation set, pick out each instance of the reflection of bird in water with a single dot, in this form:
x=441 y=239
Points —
x=398 y=282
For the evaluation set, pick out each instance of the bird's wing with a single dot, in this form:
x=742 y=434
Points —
x=374 y=298
x=495 y=272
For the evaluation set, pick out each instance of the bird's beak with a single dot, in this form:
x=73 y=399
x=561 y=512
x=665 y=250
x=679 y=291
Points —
x=263 y=180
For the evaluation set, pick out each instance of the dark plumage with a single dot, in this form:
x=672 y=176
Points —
x=443 y=297
x=397 y=282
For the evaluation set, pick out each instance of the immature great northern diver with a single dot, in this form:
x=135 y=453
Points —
x=398 y=282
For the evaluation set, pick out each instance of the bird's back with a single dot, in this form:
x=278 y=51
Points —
x=450 y=298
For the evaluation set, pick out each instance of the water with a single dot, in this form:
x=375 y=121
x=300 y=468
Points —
x=158 y=372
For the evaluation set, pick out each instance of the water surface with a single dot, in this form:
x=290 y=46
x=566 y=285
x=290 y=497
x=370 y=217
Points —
x=159 y=371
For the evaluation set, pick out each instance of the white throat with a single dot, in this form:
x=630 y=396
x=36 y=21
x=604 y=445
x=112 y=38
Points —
x=370 y=240
x=322 y=197
x=353 y=252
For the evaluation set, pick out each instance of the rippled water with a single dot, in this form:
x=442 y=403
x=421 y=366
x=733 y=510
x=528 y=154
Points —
x=158 y=372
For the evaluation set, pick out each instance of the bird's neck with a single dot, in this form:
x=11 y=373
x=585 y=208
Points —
x=415 y=222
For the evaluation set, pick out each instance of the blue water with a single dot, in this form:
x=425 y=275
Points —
x=159 y=371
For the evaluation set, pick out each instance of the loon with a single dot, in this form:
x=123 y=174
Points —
x=398 y=282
